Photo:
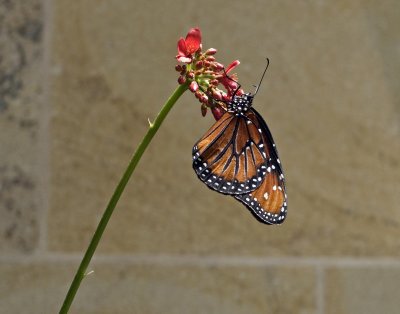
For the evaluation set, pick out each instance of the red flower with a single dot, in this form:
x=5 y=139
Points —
x=187 y=47
x=204 y=74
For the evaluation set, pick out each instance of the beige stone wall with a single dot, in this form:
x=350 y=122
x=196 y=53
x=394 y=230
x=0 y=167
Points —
x=78 y=81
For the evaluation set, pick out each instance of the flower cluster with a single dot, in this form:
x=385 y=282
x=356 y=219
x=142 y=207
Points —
x=204 y=74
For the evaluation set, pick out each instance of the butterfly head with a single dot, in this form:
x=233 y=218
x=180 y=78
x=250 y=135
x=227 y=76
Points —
x=240 y=104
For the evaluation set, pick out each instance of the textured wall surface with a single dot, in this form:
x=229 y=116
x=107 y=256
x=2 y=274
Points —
x=78 y=81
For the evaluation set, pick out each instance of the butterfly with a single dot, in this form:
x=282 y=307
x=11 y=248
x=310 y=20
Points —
x=237 y=156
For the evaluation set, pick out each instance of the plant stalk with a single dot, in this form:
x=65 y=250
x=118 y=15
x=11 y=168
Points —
x=154 y=126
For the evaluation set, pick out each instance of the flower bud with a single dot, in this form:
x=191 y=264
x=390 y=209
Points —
x=217 y=112
x=181 y=80
x=193 y=86
x=232 y=85
x=210 y=58
x=211 y=51
x=214 y=82
x=199 y=64
x=226 y=97
x=203 y=110
x=198 y=94
x=190 y=75
x=204 y=99
x=178 y=68
x=216 y=95
x=218 y=66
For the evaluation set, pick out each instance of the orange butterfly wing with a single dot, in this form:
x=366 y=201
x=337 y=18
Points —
x=230 y=158
x=237 y=156
x=268 y=203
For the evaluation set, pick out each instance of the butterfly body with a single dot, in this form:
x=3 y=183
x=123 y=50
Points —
x=238 y=157
x=240 y=104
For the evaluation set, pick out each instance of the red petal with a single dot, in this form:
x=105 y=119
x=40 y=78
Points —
x=184 y=59
x=193 y=40
x=182 y=49
x=233 y=65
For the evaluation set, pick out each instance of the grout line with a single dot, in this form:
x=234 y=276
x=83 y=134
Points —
x=45 y=122
x=205 y=261
x=320 y=289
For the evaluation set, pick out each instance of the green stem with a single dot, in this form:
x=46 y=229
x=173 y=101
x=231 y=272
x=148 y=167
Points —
x=80 y=274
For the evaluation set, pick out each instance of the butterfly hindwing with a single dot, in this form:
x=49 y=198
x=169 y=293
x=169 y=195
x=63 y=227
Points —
x=268 y=203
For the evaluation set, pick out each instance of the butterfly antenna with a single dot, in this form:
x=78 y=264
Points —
x=262 y=77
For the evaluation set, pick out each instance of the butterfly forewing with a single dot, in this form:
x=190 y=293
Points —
x=230 y=158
